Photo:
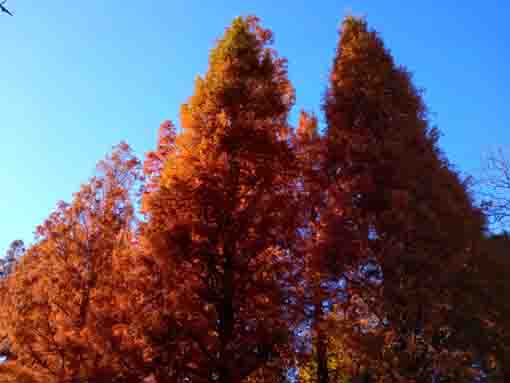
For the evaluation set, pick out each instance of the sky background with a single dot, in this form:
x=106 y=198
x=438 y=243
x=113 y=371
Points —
x=77 y=77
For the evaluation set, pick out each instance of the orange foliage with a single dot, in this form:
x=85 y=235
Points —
x=252 y=230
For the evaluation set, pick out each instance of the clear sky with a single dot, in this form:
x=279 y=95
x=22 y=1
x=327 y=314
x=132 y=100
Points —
x=77 y=77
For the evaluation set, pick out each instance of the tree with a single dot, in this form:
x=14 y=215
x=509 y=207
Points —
x=7 y=267
x=221 y=219
x=12 y=256
x=309 y=149
x=327 y=243
x=355 y=255
x=480 y=322
x=414 y=217
x=495 y=188
x=67 y=309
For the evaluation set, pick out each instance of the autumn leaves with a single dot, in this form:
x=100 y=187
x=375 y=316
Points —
x=250 y=230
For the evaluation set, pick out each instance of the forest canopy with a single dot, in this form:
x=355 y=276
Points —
x=243 y=248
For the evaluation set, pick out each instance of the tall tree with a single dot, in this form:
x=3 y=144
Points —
x=308 y=146
x=326 y=244
x=221 y=220
x=67 y=310
x=415 y=219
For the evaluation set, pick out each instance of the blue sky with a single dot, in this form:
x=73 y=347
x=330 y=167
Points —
x=77 y=77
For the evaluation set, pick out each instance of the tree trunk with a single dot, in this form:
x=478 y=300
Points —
x=321 y=346
x=226 y=321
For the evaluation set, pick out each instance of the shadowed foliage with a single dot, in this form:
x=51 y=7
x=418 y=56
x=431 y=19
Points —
x=250 y=250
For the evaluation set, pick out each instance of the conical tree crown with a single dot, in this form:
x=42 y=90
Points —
x=391 y=184
x=380 y=143
x=222 y=215
x=238 y=112
x=371 y=102
x=246 y=83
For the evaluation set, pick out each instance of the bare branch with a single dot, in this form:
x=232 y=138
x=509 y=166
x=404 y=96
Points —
x=494 y=187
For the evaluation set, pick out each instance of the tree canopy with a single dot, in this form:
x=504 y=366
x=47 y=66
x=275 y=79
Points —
x=246 y=249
